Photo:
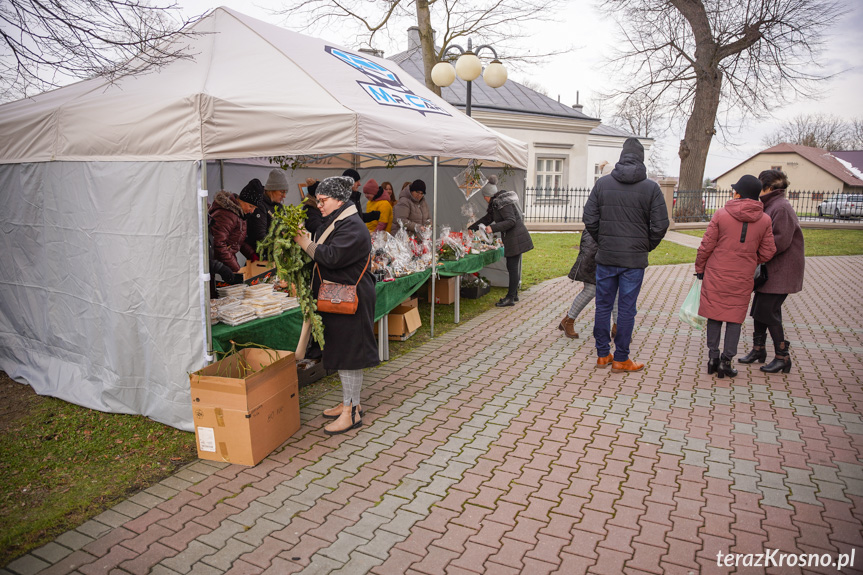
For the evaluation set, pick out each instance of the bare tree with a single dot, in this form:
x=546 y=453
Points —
x=707 y=58
x=823 y=131
x=46 y=44
x=855 y=134
x=534 y=85
x=499 y=23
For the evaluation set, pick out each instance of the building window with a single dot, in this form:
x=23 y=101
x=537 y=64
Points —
x=549 y=176
x=793 y=195
x=597 y=172
x=817 y=196
x=776 y=168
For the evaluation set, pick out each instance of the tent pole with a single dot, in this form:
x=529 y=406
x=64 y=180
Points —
x=205 y=262
x=434 y=243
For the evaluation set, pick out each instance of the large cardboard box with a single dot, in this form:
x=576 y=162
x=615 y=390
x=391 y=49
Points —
x=245 y=405
x=444 y=290
x=244 y=380
x=402 y=322
x=247 y=437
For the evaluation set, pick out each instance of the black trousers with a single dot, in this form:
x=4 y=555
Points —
x=732 y=338
x=513 y=266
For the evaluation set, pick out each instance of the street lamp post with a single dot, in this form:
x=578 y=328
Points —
x=468 y=67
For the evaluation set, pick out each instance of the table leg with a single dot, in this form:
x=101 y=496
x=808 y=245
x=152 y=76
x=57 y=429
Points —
x=457 y=305
x=383 y=339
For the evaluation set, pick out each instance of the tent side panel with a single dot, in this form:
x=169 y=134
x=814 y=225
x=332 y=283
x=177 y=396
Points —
x=100 y=299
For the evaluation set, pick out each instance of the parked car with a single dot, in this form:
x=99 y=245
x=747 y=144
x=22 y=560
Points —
x=842 y=206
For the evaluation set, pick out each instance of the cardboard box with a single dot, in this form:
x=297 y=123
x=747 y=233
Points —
x=444 y=290
x=247 y=437
x=224 y=383
x=403 y=323
x=255 y=270
x=411 y=302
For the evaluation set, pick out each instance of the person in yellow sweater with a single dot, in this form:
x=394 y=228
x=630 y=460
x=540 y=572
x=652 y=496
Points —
x=377 y=200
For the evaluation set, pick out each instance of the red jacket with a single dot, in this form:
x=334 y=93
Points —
x=728 y=259
x=228 y=226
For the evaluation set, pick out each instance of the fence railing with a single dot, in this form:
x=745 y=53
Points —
x=566 y=205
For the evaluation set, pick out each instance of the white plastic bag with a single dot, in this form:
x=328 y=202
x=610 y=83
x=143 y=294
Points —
x=689 y=309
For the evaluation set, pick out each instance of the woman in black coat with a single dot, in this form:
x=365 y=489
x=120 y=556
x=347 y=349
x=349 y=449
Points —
x=341 y=251
x=504 y=215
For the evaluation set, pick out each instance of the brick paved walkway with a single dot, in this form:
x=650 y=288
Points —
x=499 y=448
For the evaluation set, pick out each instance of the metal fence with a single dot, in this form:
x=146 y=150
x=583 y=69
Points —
x=566 y=205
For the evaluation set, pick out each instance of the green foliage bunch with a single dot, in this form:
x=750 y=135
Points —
x=293 y=265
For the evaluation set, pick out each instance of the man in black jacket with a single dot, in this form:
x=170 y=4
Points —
x=627 y=216
x=356 y=195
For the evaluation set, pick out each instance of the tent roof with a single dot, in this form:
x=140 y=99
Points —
x=249 y=89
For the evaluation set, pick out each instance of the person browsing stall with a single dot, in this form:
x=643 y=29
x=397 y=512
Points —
x=504 y=215
x=228 y=226
x=340 y=249
x=376 y=201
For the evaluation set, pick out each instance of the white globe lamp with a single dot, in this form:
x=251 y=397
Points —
x=495 y=74
x=468 y=67
x=443 y=74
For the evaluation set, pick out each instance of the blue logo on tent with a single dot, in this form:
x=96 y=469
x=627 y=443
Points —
x=385 y=87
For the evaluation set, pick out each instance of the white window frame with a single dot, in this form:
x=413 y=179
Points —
x=545 y=174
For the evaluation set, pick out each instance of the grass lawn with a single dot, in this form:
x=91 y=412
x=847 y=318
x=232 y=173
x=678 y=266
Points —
x=63 y=463
x=821 y=242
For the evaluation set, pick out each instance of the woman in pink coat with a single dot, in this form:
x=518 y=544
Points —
x=738 y=238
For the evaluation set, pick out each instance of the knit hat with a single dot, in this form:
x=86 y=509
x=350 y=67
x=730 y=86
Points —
x=253 y=192
x=748 y=187
x=277 y=180
x=418 y=186
x=351 y=173
x=371 y=189
x=633 y=146
x=337 y=188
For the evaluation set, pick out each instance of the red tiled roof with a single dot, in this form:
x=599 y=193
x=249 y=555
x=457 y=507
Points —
x=821 y=158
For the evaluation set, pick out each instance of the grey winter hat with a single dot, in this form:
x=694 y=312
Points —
x=633 y=147
x=277 y=180
x=337 y=188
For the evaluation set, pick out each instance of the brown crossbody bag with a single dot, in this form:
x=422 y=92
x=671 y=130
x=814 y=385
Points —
x=339 y=298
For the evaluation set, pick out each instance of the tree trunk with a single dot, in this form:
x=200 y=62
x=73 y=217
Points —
x=427 y=43
x=699 y=129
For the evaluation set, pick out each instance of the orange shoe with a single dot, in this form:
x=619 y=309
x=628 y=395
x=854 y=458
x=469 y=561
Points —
x=605 y=361
x=624 y=366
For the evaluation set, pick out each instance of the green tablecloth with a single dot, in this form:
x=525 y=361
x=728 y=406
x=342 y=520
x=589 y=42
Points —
x=283 y=331
x=391 y=294
x=469 y=264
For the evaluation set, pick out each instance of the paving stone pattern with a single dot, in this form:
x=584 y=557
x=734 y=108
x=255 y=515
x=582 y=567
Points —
x=500 y=448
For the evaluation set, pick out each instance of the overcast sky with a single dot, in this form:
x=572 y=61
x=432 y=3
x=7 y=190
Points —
x=580 y=73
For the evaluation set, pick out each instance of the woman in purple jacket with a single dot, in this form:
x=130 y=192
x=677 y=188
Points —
x=784 y=275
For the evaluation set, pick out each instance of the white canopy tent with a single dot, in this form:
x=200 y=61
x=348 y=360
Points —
x=102 y=292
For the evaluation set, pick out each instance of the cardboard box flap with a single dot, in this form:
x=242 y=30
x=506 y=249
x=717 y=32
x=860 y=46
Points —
x=412 y=320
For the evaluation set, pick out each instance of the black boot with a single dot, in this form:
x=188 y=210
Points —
x=712 y=365
x=782 y=361
x=506 y=302
x=758 y=353
x=726 y=369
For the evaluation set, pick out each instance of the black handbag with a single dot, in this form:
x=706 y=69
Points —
x=760 y=276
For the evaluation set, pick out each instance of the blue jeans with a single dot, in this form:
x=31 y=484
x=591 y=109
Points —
x=625 y=284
